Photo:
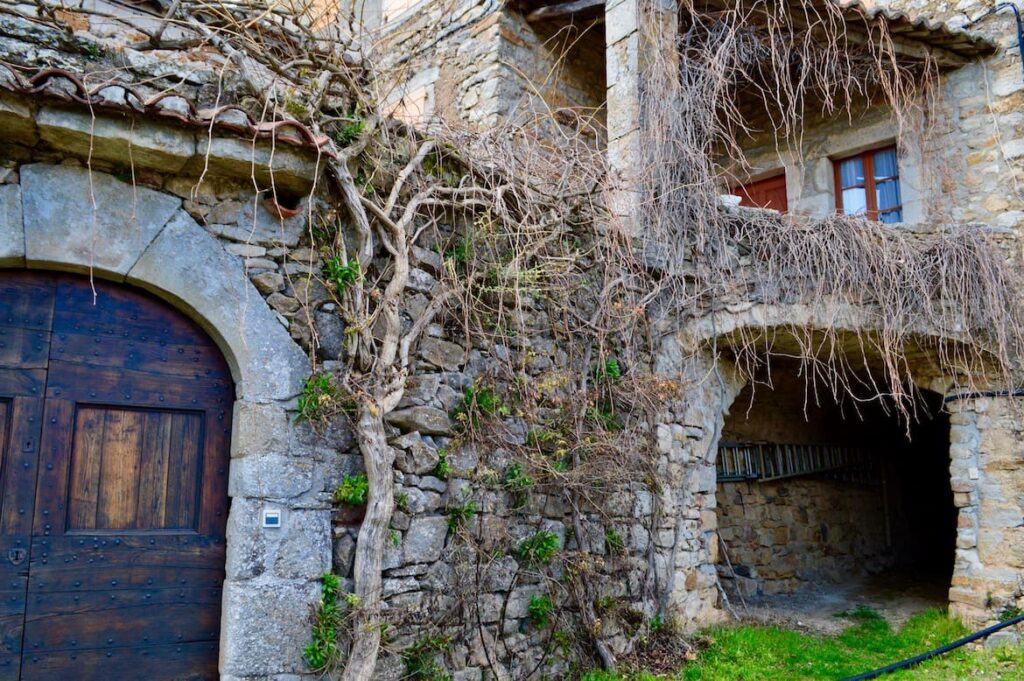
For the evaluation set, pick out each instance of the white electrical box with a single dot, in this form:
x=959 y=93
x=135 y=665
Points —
x=271 y=517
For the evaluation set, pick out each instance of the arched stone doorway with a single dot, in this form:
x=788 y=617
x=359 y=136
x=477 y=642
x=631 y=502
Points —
x=71 y=219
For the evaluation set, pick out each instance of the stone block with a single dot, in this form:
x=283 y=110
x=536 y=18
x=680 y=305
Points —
x=289 y=169
x=191 y=266
x=427 y=420
x=64 y=229
x=967 y=596
x=620 y=21
x=425 y=539
x=270 y=476
x=443 y=354
x=1003 y=638
x=12 y=231
x=268 y=282
x=17 y=124
x=344 y=554
x=300 y=548
x=259 y=429
x=149 y=145
x=265 y=626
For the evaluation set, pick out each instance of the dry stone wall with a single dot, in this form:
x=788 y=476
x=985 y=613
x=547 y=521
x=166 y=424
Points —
x=788 y=535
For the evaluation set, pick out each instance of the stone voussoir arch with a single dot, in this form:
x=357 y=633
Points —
x=68 y=218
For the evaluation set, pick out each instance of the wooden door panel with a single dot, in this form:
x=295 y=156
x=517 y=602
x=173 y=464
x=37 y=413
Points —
x=114 y=562
x=90 y=383
x=27 y=382
x=26 y=300
x=156 y=357
x=20 y=421
x=133 y=617
x=115 y=423
x=134 y=469
x=120 y=312
x=184 y=662
x=23 y=348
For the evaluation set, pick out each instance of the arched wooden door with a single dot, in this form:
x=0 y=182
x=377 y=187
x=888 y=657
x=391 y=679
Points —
x=115 y=417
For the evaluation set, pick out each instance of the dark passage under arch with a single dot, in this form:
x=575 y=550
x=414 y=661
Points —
x=834 y=499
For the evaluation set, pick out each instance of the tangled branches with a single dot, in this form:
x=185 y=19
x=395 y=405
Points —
x=744 y=71
x=525 y=249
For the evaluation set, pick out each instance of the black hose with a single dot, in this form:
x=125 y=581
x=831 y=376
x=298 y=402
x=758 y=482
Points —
x=938 y=651
x=1018 y=392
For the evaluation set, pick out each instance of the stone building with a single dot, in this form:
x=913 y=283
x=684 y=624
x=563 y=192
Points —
x=127 y=178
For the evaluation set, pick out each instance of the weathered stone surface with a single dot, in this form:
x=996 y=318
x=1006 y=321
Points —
x=426 y=420
x=300 y=547
x=270 y=476
x=443 y=354
x=344 y=554
x=308 y=290
x=12 y=233
x=259 y=429
x=425 y=539
x=293 y=170
x=63 y=230
x=330 y=335
x=283 y=304
x=420 y=390
x=17 y=123
x=417 y=458
x=148 y=144
x=268 y=282
x=269 y=625
x=190 y=265
x=246 y=250
x=420 y=281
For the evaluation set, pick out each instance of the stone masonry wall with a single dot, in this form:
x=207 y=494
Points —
x=785 y=535
x=987 y=468
x=482 y=63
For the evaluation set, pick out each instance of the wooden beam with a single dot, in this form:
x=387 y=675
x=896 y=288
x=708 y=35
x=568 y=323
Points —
x=563 y=10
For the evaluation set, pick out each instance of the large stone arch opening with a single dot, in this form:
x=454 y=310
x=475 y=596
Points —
x=71 y=219
x=985 y=445
x=824 y=499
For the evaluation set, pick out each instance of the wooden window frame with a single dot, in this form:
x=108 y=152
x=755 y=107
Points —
x=870 y=184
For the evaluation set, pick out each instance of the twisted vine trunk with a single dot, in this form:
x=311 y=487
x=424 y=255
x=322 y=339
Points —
x=378 y=457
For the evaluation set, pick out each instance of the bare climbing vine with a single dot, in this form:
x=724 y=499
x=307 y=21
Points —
x=518 y=216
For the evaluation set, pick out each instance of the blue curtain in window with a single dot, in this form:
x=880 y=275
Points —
x=887 y=193
x=851 y=172
x=892 y=217
x=885 y=164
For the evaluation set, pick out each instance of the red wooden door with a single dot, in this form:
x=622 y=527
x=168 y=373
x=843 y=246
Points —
x=769 y=193
x=127 y=505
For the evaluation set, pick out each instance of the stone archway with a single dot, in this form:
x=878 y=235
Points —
x=986 y=446
x=68 y=218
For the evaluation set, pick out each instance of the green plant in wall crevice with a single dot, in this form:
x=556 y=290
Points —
x=353 y=490
x=322 y=652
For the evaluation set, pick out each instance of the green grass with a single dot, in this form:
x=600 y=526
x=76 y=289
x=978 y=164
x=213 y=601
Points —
x=749 y=653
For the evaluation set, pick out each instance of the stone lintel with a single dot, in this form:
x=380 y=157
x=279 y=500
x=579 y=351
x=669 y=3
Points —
x=121 y=140
x=153 y=144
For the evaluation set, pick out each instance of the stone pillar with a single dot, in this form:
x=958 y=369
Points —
x=272 y=574
x=634 y=31
x=688 y=433
x=986 y=463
